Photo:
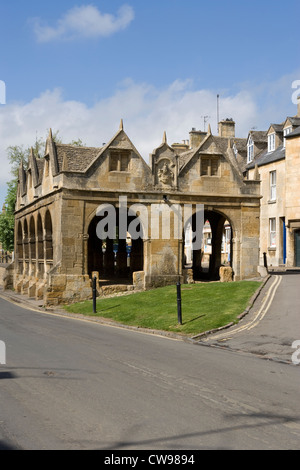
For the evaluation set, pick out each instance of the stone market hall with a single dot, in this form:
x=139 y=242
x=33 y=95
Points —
x=57 y=247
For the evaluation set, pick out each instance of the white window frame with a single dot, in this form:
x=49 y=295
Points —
x=286 y=132
x=273 y=183
x=272 y=228
x=271 y=142
x=250 y=150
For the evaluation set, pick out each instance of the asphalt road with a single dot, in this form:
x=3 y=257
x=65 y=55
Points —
x=70 y=384
x=272 y=326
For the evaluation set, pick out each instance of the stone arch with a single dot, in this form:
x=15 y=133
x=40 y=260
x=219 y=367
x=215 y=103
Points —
x=32 y=244
x=26 y=241
x=40 y=244
x=114 y=259
x=48 y=228
x=216 y=250
x=20 y=251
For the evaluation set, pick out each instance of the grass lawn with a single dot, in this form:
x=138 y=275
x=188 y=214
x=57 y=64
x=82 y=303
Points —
x=204 y=306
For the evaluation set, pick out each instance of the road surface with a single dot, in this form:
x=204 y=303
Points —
x=273 y=325
x=71 y=384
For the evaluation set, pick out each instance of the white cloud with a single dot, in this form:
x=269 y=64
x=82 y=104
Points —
x=147 y=113
x=84 y=22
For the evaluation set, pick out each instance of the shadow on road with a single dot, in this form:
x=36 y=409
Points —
x=259 y=420
x=6 y=446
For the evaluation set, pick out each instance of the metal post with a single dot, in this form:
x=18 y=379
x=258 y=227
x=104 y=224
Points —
x=94 y=294
x=179 y=303
x=265 y=261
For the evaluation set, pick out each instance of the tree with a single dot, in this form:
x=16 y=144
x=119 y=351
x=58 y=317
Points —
x=7 y=218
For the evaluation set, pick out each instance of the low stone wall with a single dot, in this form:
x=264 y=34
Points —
x=62 y=288
x=6 y=275
x=2 y=273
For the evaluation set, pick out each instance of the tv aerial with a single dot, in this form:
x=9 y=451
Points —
x=205 y=119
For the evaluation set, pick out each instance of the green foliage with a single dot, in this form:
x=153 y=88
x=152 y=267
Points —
x=7 y=218
x=78 y=143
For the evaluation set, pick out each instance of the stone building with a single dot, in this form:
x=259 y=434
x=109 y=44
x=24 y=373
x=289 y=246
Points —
x=61 y=204
x=276 y=162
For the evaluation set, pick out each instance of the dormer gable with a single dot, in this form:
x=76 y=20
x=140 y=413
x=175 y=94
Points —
x=275 y=137
x=212 y=153
x=289 y=126
x=119 y=154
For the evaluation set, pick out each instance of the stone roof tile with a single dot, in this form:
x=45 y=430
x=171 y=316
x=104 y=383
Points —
x=78 y=158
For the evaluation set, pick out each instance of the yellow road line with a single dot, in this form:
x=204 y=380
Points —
x=260 y=314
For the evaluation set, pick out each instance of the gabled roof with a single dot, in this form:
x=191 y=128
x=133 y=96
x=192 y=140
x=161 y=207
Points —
x=277 y=127
x=77 y=159
x=295 y=121
x=223 y=147
x=295 y=133
x=120 y=141
x=258 y=136
x=267 y=157
x=186 y=157
x=241 y=144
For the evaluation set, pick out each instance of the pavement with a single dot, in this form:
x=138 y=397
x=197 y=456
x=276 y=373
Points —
x=268 y=328
x=271 y=326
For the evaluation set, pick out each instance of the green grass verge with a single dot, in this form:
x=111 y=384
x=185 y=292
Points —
x=204 y=307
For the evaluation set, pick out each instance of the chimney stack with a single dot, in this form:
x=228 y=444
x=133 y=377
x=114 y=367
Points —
x=227 y=128
x=196 y=137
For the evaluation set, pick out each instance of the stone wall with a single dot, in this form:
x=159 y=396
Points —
x=272 y=209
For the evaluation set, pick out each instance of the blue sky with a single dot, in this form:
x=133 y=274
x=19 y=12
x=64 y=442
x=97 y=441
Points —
x=79 y=67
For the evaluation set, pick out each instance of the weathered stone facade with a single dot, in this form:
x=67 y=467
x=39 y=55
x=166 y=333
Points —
x=277 y=165
x=57 y=247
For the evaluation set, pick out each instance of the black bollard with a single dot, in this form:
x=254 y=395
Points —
x=94 y=294
x=265 y=261
x=179 y=303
